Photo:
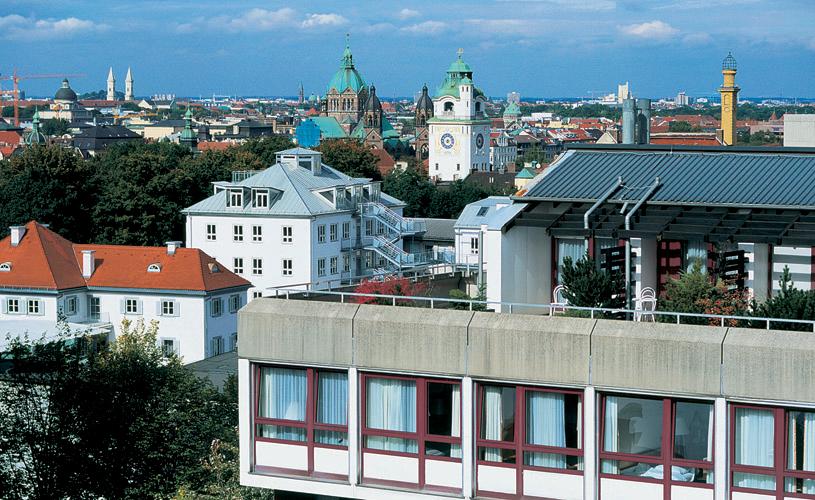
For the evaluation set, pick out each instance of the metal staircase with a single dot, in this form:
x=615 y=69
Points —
x=391 y=219
x=389 y=245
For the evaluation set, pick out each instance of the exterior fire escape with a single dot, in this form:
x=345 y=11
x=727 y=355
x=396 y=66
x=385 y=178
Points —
x=387 y=231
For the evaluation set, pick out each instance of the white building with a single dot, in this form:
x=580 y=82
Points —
x=459 y=132
x=799 y=130
x=45 y=278
x=301 y=223
x=682 y=99
x=503 y=152
x=470 y=229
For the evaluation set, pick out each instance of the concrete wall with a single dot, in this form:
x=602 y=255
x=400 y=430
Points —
x=799 y=130
x=755 y=364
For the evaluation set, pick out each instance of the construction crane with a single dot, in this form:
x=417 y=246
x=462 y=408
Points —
x=15 y=92
x=117 y=116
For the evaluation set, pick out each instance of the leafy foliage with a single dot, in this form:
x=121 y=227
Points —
x=457 y=294
x=695 y=292
x=398 y=286
x=350 y=157
x=55 y=126
x=682 y=126
x=589 y=286
x=788 y=303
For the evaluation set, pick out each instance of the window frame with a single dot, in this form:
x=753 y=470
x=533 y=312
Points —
x=257 y=266
x=212 y=232
x=474 y=245
x=94 y=307
x=39 y=306
x=168 y=311
x=321 y=233
x=237 y=265
x=135 y=302
x=346 y=230
x=71 y=305
x=16 y=301
x=237 y=233
x=421 y=436
x=332 y=232
x=234 y=303
x=257 y=233
x=258 y=196
x=284 y=270
x=666 y=457
x=215 y=312
x=321 y=267
x=333 y=265
x=287 y=239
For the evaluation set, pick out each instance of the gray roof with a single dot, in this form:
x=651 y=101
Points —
x=294 y=191
x=439 y=229
x=168 y=123
x=727 y=177
x=470 y=217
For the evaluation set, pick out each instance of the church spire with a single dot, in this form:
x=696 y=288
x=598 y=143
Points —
x=111 y=94
x=347 y=58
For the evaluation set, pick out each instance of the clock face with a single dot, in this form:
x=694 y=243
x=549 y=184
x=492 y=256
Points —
x=479 y=141
x=447 y=141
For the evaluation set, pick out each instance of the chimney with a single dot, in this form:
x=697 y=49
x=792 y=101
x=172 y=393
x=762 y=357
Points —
x=644 y=121
x=172 y=246
x=629 y=120
x=17 y=233
x=88 y=263
x=316 y=164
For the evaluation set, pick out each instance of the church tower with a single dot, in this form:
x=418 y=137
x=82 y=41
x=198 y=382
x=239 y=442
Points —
x=424 y=112
x=347 y=93
x=129 y=85
x=111 y=86
x=459 y=132
x=372 y=120
x=730 y=99
x=301 y=95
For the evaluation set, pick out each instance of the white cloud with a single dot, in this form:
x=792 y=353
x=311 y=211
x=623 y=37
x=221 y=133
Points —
x=407 y=14
x=426 y=28
x=27 y=28
x=260 y=20
x=316 y=20
x=653 y=30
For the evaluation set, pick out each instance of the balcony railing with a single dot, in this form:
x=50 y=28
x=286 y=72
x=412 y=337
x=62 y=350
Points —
x=678 y=318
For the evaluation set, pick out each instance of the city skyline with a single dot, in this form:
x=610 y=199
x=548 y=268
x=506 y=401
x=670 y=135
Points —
x=542 y=48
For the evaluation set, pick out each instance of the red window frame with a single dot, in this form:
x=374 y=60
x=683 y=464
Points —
x=518 y=442
x=779 y=470
x=310 y=423
x=421 y=436
x=666 y=457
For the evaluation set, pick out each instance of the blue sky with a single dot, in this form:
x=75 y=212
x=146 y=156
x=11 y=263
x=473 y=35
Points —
x=536 y=47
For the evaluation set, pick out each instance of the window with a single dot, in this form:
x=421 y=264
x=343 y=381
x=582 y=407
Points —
x=13 y=306
x=216 y=346
x=287 y=234
x=257 y=267
x=237 y=265
x=237 y=233
x=763 y=435
x=216 y=307
x=257 y=294
x=474 y=245
x=261 y=199
x=94 y=307
x=482 y=211
x=321 y=267
x=233 y=341
x=529 y=427
x=257 y=233
x=235 y=198
x=5 y=267
x=346 y=263
x=169 y=347
x=154 y=268
x=321 y=233
x=332 y=232
x=369 y=227
x=132 y=306
x=71 y=305
x=293 y=404
x=346 y=230
x=333 y=265
x=169 y=308
x=211 y=235
x=234 y=303
x=287 y=267
x=642 y=437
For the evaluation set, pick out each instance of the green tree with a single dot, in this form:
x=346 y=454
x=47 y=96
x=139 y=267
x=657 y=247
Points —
x=413 y=188
x=680 y=126
x=266 y=148
x=586 y=285
x=49 y=184
x=788 y=303
x=55 y=127
x=350 y=157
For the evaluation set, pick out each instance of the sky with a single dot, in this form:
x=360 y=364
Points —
x=540 y=48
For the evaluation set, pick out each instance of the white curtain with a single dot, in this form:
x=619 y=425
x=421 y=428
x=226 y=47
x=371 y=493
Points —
x=568 y=248
x=283 y=396
x=332 y=406
x=696 y=250
x=455 y=425
x=709 y=457
x=391 y=405
x=492 y=421
x=754 y=446
x=546 y=426
x=610 y=434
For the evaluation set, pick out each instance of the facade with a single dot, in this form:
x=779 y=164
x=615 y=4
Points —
x=730 y=100
x=195 y=300
x=470 y=229
x=503 y=152
x=459 y=132
x=499 y=405
x=799 y=131
x=66 y=107
x=301 y=223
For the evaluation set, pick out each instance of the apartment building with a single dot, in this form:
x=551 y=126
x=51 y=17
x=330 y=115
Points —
x=45 y=278
x=470 y=229
x=301 y=223
x=370 y=401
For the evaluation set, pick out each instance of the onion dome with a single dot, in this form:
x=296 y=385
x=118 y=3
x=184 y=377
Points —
x=373 y=103
x=424 y=103
x=65 y=93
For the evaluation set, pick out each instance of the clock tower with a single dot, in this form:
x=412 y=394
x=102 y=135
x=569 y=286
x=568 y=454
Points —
x=459 y=131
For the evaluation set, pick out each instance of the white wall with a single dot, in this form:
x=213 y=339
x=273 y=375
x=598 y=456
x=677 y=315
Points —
x=799 y=130
x=520 y=266
x=48 y=307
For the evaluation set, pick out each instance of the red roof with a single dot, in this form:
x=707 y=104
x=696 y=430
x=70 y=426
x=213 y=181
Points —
x=44 y=259
x=214 y=145
x=384 y=161
x=686 y=139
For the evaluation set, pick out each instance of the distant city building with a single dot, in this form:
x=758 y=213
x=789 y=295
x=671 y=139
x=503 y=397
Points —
x=66 y=107
x=11 y=139
x=300 y=95
x=91 y=141
x=503 y=151
x=799 y=131
x=514 y=97
x=623 y=92
x=682 y=99
x=424 y=112
x=459 y=130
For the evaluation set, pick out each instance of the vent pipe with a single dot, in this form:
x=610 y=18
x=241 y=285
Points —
x=629 y=120
x=17 y=233
x=643 y=121
x=172 y=246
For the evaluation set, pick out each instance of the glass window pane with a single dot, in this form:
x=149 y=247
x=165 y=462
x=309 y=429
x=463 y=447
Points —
x=754 y=437
x=434 y=449
x=553 y=460
x=633 y=425
x=282 y=393
x=391 y=444
x=799 y=485
x=693 y=431
x=498 y=413
x=801 y=441
x=635 y=469
x=497 y=455
x=332 y=398
x=758 y=481
x=443 y=409
x=552 y=419
x=282 y=432
x=391 y=404
x=335 y=438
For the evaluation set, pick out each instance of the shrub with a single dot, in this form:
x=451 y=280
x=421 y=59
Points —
x=695 y=292
x=788 y=303
x=462 y=295
x=396 y=286
x=589 y=286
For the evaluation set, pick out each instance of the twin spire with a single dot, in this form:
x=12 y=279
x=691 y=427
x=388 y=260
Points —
x=111 y=91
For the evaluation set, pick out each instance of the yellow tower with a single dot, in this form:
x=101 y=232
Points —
x=730 y=98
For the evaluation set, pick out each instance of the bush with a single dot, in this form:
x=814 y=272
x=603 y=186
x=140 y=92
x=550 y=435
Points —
x=462 y=295
x=695 y=292
x=398 y=286
x=789 y=303
x=589 y=286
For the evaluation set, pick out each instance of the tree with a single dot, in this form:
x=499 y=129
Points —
x=55 y=127
x=680 y=126
x=49 y=184
x=586 y=285
x=350 y=157
x=695 y=292
x=788 y=303
x=397 y=286
x=266 y=148
x=413 y=188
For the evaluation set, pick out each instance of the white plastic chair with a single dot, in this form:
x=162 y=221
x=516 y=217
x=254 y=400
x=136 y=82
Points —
x=559 y=302
x=646 y=304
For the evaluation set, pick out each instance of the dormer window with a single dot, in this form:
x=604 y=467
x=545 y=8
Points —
x=213 y=267
x=154 y=268
x=235 y=198
x=261 y=198
x=5 y=267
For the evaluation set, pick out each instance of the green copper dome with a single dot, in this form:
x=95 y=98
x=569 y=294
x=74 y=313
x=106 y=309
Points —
x=459 y=72
x=347 y=76
x=512 y=109
x=35 y=136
